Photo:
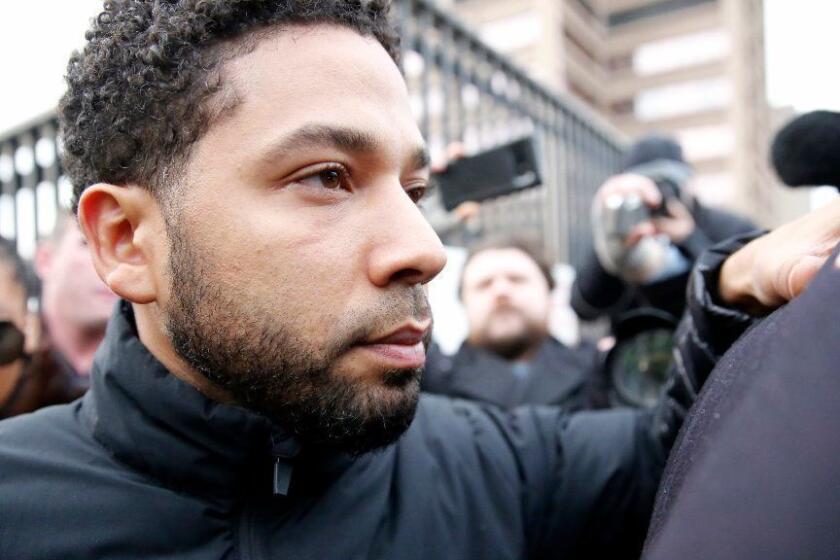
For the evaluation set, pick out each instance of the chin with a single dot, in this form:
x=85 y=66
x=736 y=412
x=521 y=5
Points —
x=504 y=336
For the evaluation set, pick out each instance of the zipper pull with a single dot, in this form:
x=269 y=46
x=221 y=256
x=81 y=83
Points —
x=285 y=449
x=282 y=476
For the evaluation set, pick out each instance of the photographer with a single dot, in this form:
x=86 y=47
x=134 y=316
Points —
x=647 y=230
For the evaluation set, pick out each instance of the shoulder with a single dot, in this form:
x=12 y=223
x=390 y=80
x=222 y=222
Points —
x=574 y=361
x=49 y=452
x=447 y=427
x=442 y=369
x=48 y=430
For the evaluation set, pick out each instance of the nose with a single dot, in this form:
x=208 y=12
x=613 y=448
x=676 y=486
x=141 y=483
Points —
x=404 y=247
x=500 y=290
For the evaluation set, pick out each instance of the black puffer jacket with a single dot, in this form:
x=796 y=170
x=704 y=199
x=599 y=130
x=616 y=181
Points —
x=144 y=466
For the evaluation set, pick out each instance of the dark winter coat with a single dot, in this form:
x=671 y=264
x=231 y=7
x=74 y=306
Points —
x=756 y=470
x=557 y=375
x=145 y=466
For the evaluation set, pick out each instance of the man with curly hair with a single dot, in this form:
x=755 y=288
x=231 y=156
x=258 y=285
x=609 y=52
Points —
x=246 y=176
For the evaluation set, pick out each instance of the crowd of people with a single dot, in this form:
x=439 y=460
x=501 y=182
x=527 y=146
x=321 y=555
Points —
x=51 y=362
x=247 y=229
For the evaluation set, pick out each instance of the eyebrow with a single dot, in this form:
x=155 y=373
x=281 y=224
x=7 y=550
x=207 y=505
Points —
x=342 y=138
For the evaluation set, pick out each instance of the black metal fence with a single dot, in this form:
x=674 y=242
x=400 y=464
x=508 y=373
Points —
x=464 y=91
x=461 y=90
x=32 y=184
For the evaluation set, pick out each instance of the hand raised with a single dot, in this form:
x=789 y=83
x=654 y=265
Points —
x=777 y=267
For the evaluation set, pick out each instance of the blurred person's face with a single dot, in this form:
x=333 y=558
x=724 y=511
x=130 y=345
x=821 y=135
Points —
x=72 y=292
x=291 y=267
x=12 y=297
x=506 y=298
x=13 y=310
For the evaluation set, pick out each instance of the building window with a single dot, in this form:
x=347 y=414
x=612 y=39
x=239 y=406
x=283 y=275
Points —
x=512 y=33
x=714 y=189
x=707 y=142
x=683 y=98
x=679 y=52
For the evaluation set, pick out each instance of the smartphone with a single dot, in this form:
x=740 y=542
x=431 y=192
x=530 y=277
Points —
x=500 y=171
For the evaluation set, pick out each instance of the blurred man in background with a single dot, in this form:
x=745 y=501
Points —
x=644 y=262
x=509 y=357
x=75 y=303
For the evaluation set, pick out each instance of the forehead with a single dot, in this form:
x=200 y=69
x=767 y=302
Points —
x=316 y=73
x=500 y=262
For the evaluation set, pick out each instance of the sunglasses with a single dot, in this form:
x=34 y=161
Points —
x=11 y=343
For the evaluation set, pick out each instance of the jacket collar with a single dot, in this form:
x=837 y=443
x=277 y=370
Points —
x=555 y=373
x=163 y=427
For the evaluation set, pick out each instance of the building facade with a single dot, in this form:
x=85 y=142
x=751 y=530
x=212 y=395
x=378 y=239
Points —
x=692 y=68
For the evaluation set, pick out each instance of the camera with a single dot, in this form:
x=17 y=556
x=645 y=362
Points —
x=625 y=213
x=637 y=367
x=618 y=215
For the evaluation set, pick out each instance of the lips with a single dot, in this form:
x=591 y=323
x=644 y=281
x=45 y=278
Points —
x=407 y=336
x=402 y=348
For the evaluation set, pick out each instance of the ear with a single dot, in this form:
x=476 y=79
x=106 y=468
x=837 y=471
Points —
x=123 y=227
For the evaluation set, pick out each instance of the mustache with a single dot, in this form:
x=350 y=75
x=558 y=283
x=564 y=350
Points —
x=393 y=309
x=505 y=308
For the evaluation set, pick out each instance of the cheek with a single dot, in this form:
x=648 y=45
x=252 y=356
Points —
x=289 y=257
x=535 y=302
x=478 y=309
x=307 y=278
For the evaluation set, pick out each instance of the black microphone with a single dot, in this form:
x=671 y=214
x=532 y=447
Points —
x=806 y=151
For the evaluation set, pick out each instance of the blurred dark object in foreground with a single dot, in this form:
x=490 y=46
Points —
x=755 y=472
x=806 y=150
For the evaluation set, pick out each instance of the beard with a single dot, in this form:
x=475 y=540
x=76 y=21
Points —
x=263 y=359
x=515 y=343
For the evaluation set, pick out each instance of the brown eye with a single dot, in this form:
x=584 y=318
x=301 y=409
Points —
x=416 y=194
x=330 y=178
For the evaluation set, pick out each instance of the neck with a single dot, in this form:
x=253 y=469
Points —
x=528 y=354
x=149 y=322
x=77 y=343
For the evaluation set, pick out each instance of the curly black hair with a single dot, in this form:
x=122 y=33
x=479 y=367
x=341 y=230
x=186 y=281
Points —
x=148 y=83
